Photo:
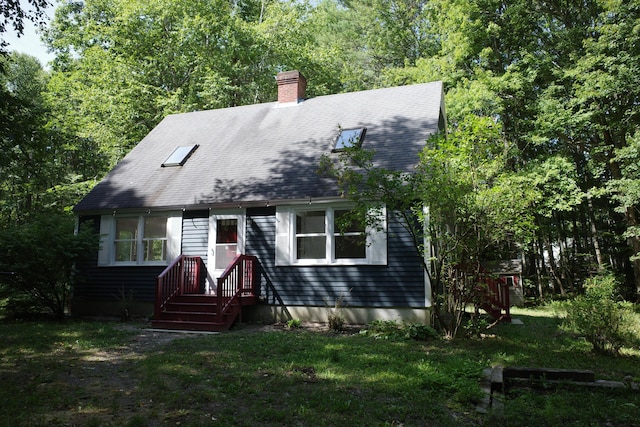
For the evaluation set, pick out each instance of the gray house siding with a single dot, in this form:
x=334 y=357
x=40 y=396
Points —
x=113 y=283
x=110 y=284
x=398 y=284
x=195 y=233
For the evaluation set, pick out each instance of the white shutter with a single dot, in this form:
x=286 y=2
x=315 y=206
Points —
x=106 y=239
x=283 y=236
x=377 y=241
x=174 y=237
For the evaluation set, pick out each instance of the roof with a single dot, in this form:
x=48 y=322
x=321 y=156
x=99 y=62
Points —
x=266 y=152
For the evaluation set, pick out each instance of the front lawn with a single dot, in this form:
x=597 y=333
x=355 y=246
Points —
x=114 y=374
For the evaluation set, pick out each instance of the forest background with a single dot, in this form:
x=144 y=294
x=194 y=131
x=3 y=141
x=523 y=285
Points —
x=549 y=89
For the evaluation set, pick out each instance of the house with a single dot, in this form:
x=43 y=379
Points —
x=509 y=271
x=243 y=180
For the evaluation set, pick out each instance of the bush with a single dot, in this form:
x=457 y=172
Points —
x=41 y=255
x=600 y=316
x=336 y=321
x=335 y=316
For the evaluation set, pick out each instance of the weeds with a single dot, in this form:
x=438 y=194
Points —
x=293 y=323
x=335 y=317
x=392 y=330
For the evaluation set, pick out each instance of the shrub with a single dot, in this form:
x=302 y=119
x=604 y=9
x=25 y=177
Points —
x=336 y=321
x=293 y=323
x=41 y=255
x=600 y=316
x=336 y=316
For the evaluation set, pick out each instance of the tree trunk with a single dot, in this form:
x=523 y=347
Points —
x=553 y=268
x=594 y=234
x=540 y=267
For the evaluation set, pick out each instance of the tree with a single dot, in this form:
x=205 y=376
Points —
x=13 y=13
x=40 y=255
x=606 y=103
x=462 y=181
x=122 y=66
x=26 y=170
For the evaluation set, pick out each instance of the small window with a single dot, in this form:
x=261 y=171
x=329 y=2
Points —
x=350 y=138
x=179 y=156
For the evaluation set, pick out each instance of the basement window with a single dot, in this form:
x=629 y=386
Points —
x=350 y=138
x=179 y=156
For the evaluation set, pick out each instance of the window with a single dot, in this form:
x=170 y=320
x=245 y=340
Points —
x=311 y=235
x=326 y=236
x=126 y=239
x=139 y=240
x=147 y=233
x=155 y=239
x=349 y=138
x=349 y=236
x=179 y=156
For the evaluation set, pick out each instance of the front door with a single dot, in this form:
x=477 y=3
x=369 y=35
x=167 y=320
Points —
x=226 y=240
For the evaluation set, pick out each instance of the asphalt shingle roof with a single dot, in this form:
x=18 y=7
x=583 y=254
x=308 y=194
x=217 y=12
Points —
x=266 y=152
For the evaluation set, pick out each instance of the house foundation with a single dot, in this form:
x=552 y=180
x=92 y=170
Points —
x=352 y=315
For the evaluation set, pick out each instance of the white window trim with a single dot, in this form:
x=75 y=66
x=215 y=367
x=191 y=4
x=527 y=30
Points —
x=106 y=253
x=376 y=238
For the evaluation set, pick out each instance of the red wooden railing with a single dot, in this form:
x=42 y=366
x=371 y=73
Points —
x=497 y=297
x=238 y=280
x=183 y=276
x=186 y=275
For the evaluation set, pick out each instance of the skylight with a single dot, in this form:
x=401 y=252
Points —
x=179 y=156
x=350 y=138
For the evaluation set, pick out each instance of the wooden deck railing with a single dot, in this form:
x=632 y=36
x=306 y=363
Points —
x=239 y=280
x=498 y=295
x=185 y=275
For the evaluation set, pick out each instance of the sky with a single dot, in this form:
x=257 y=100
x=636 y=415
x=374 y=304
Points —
x=29 y=42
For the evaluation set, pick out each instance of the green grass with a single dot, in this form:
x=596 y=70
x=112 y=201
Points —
x=66 y=374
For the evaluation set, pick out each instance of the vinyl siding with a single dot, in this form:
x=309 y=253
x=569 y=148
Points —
x=112 y=282
x=195 y=231
x=400 y=283
x=108 y=283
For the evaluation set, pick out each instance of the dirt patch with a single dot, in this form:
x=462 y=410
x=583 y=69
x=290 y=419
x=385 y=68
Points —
x=304 y=326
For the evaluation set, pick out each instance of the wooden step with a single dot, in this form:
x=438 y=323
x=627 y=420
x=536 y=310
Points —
x=192 y=307
x=196 y=298
x=176 y=325
x=188 y=316
x=198 y=313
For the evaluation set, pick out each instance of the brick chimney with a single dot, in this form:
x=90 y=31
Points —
x=291 y=86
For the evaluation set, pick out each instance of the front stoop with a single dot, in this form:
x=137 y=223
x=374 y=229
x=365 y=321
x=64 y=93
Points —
x=194 y=313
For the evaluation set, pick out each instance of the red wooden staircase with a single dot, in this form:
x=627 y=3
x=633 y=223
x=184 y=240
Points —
x=181 y=301
x=494 y=298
